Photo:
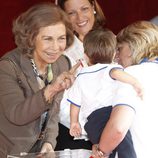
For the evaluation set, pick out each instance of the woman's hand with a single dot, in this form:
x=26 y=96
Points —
x=46 y=151
x=47 y=147
x=96 y=153
x=63 y=81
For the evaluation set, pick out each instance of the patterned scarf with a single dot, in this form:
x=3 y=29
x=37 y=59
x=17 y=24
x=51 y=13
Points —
x=42 y=82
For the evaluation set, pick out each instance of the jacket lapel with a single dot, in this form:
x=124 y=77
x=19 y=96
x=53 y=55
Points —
x=27 y=69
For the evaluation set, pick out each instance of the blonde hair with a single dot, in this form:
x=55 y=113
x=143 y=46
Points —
x=142 y=37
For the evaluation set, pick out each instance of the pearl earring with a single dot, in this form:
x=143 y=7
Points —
x=94 y=12
x=56 y=2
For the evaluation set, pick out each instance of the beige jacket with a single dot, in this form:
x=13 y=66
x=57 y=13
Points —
x=22 y=103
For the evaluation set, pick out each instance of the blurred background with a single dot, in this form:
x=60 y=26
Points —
x=119 y=13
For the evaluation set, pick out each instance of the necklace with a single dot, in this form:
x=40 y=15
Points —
x=47 y=77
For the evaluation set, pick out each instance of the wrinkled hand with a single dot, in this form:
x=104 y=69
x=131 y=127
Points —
x=66 y=79
x=46 y=151
x=63 y=81
x=47 y=147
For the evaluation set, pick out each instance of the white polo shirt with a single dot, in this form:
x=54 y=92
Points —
x=93 y=89
x=144 y=129
x=76 y=52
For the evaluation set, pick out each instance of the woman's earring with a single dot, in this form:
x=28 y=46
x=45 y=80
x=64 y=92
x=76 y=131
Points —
x=94 y=12
x=56 y=2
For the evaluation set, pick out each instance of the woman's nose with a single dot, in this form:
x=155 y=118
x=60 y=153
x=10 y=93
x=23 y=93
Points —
x=55 y=45
x=79 y=15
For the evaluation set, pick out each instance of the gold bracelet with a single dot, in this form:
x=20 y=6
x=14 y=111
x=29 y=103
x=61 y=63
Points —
x=102 y=154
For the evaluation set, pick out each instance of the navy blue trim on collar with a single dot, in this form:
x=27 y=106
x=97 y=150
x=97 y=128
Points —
x=92 y=71
x=145 y=60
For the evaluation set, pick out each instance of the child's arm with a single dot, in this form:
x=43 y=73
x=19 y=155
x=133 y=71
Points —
x=122 y=76
x=75 y=128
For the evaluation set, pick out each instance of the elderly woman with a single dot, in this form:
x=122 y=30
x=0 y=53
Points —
x=137 y=50
x=32 y=75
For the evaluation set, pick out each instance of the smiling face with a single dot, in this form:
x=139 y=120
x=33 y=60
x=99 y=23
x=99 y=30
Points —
x=81 y=15
x=49 y=44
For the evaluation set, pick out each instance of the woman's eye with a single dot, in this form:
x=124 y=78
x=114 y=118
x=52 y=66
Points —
x=72 y=13
x=62 y=38
x=117 y=49
x=48 y=39
x=85 y=9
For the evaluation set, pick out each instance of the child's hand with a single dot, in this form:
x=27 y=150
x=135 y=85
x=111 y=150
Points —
x=139 y=89
x=75 y=129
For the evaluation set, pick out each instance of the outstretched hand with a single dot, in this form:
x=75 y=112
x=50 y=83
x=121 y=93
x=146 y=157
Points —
x=66 y=79
x=63 y=81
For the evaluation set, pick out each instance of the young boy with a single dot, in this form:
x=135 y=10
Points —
x=94 y=88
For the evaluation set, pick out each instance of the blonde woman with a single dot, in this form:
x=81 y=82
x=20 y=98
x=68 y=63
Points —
x=138 y=52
